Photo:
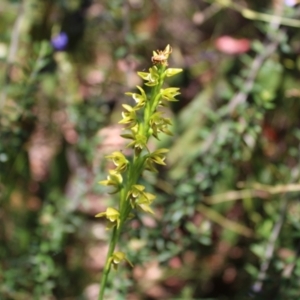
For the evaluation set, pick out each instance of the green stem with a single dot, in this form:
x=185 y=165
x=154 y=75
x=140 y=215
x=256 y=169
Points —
x=112 y=246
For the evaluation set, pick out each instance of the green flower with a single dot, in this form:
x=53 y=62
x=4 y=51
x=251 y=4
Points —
x=152 y=77
x=115 y=179
x=135 y=191
x=144 y=202
x=169 y=94
x=140 y=199
x=119 y=161
x=139 y=140
x=160 y=124
x=129 y=116
x=140 y=99
x=112 y=215
x=157 y=157
x=116 y=258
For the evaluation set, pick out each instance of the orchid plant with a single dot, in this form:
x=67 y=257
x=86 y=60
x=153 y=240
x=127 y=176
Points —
x=140 y=123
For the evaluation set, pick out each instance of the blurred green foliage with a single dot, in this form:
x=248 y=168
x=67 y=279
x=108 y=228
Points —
x=227 y=224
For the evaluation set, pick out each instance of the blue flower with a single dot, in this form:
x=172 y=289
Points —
x=60 y=41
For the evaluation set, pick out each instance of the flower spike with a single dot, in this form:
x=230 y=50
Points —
x=141 y=121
